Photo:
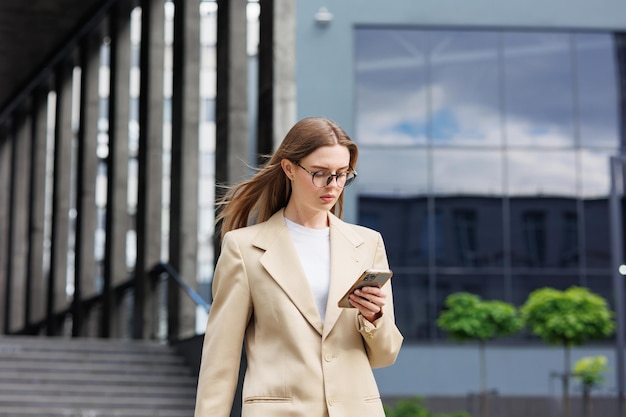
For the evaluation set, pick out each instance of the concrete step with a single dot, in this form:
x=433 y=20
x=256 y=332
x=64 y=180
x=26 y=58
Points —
x=50 y=344
x=93 y=377
x=90 y=412
x=99 y=357
x=108 y=367
x=80 y=389
x=94 y=401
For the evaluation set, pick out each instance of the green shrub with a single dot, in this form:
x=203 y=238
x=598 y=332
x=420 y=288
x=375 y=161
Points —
x=415 y=408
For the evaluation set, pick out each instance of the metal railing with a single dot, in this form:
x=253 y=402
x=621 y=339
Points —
x=89 y=309
x=165 y=268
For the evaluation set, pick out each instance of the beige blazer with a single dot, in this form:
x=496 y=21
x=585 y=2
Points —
x=297 y=365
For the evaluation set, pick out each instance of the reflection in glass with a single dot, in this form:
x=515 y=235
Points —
x=391 y=95
x=597 y=233
x=465 y=88
x=488 y=286
x=470 y=230
x=541 y=229
x=524 y=284
x=411 y=304
x=570 y=251
x=603 y=286
x=465 y=235
x=404 y=223
x=541 y=173
x=392 y=171
x=597 y=113
x=484 y=162
x=463 y=171
x=534 y=237
x=594 y=173
x=538 y=89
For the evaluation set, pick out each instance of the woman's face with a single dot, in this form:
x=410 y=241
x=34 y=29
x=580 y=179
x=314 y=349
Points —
x=327 y=160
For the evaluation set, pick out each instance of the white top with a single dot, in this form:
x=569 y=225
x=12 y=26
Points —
x=313 y=247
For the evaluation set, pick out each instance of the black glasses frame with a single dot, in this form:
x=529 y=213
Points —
x=329 y=178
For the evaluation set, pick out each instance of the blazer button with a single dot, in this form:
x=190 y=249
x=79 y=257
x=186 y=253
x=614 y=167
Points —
x=328 y=357
x=331 y=401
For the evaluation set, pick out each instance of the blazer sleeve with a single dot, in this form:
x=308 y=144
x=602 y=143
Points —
x=382 y=339
x=223 y=341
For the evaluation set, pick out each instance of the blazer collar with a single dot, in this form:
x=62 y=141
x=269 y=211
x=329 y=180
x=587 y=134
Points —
x=347 y=262
x=282 y=262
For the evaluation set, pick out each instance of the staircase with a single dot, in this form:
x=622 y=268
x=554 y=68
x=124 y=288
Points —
x=52 y=377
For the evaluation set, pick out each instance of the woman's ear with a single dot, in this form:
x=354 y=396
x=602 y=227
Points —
x=287 y=166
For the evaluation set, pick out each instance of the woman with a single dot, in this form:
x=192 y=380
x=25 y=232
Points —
x=277 y=283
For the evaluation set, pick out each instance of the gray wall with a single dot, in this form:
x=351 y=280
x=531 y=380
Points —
x=325 y=86
x=453 y=370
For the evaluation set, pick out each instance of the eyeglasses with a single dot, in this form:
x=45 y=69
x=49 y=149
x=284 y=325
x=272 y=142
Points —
x=323 y=179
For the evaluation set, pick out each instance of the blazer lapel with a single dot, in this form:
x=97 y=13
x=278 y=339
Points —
x=346 y=266
x=283 y=263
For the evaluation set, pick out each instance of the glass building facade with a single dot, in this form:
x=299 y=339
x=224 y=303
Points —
x=485 y=161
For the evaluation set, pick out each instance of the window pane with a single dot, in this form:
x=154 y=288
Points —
x=463 y=171
x=598 y=113
x=544 y=232
x=411 y=304
x=551 y=173
x=524 y=284
x=470 y=232
x=464 y=88
x=486 y=286
x=603 y=286
x=485 y=149
x=392 y=171
x=597 y=233
x=403 y=223
x=538 y=89
x=594 y=173
x=391 y=92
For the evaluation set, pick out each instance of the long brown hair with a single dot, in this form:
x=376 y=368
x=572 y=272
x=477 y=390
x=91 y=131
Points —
x=257 y=199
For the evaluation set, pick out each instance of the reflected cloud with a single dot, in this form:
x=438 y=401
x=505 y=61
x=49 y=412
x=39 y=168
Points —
x=433 y=106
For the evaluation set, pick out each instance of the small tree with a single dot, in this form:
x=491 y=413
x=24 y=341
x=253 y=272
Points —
x=468 y=317
x=567 y=318
x=589 y=371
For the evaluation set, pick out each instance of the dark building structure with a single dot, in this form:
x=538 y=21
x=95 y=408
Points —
x=465 y=251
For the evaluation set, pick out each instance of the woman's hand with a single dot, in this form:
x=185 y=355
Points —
x=369 y=301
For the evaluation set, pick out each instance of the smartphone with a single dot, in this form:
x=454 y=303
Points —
x=369 y=278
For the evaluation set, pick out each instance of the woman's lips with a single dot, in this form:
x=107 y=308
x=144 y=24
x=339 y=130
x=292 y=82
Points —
x=328 y=198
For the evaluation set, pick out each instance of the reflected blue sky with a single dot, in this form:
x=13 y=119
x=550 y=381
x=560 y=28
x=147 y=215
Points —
x=504 y=94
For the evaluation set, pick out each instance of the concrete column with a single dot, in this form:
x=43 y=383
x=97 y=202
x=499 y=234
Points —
x=150 y=164
x=117 y=220
x=35 y=292
x=6 y=145
x=231 y=151
x=183 y=245
x=265 y=83
x=18 y=217
x=57 y=280
x=87 y=165
x=285 y=112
